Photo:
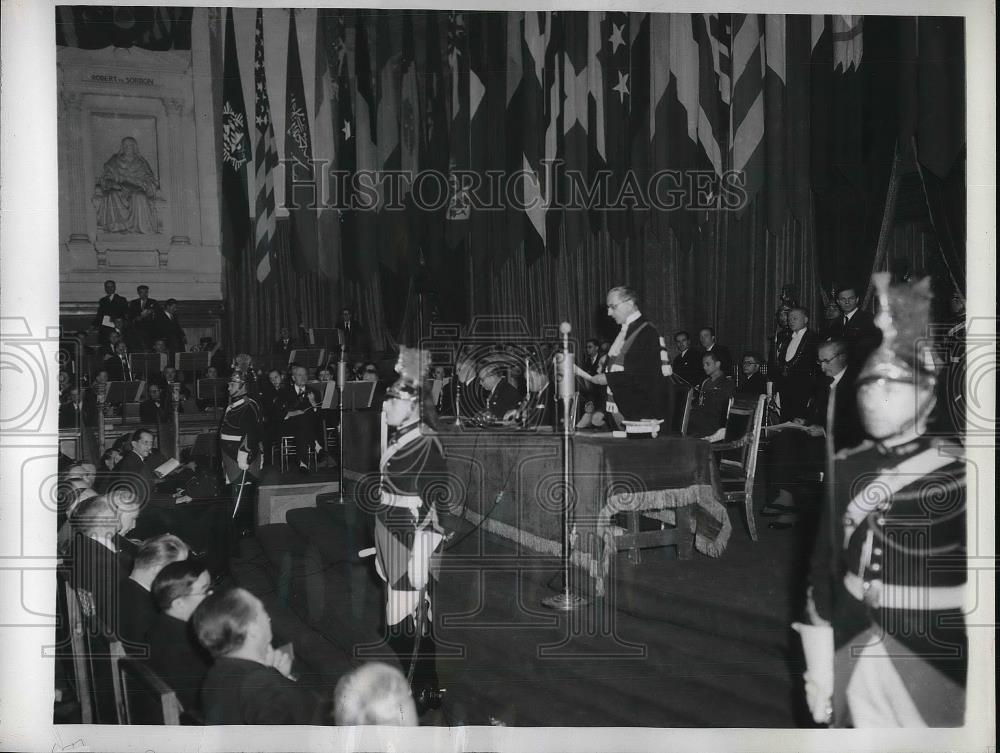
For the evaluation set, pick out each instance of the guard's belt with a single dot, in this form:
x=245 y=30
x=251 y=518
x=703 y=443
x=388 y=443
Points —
x=891 y=596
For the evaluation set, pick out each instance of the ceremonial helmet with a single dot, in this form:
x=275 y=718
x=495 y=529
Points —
x=905 y=354
x=412 y=366
x=238 y=375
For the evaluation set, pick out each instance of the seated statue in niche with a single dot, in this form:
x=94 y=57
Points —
x=125 y=193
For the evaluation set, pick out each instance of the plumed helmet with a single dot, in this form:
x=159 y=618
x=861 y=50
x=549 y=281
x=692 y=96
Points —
x=238 y=375
x=905 y=354
x=412 y=366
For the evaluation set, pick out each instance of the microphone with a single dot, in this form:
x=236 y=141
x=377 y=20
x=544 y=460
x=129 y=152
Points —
x=567 y=377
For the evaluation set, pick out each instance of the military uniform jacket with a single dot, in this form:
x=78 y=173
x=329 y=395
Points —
x=892 y=552
x=241 y=430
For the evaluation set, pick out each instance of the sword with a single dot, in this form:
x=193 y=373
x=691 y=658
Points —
x=239 y=495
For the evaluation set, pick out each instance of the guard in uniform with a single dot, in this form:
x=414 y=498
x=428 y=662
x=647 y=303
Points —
x=411 y=523
x=884 y=633
x=240 y=436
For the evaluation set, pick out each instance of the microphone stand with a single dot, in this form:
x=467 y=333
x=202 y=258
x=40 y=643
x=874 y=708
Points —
x=341 y=383
x=566 y=601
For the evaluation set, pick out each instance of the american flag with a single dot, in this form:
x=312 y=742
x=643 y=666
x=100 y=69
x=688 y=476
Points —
x=265 y=160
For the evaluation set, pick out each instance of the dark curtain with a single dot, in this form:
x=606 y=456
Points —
x=729 y=278
x=256 y=311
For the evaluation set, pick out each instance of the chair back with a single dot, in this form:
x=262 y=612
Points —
x=685 y=413
x=752 y=447
x=739 y=418
x=146 y=698
x=77 y=624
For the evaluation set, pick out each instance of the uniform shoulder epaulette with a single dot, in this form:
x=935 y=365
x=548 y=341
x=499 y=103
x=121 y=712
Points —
x=848 y=451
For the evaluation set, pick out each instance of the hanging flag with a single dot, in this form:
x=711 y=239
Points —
x=639 y=117
x=616 y=41
x=553 y=117
x=796 y=120
x=775 y=76
x=327 y=219
x=711 y=34
x=575 y=146
x=459 y=203
x=534 y=133
x=92 y=27
x=516 y=128
x=388 y=50
x=747 y=103
x=300 y=179
x=593 y=118
x=235 y=153
x=265 y=161
x=366 y=198
x=493 y=224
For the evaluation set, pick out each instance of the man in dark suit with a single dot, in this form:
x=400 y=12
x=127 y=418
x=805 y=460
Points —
x=174 y=652
x=249 y=682
x=687 y=363
x=142 y=315
x=119 y=368
x=301 y=419
x=751 y=382
x=501 y=395
x=112 y=306
x=285 y=342
x=137 y=612
x=709 y=345
x=155 y=409
x=796 y=454
x=356 y=341
x=855 y=327
x=634 y=376
x=463 y=391
x=168 y=327
x=796 y=369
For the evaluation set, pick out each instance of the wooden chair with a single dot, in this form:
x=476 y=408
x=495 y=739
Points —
x=686 y=412
x=145 y=697
x=80 y=607
x=737 y=475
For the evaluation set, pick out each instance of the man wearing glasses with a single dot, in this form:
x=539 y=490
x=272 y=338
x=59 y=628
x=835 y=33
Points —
x=856 y=327
x=633 y=376
x=752 y=382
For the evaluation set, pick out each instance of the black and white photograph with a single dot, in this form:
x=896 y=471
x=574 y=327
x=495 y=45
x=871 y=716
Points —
x=435 y=378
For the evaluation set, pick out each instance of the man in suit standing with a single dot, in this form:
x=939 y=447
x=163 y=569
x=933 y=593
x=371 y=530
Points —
x=708 y=343
x=687 y=362
x=285 y=342
x=354 y=337
x=168 y=327
x=142 y=314
x=855 y=327
x=634 y=377
x=796 y=371
x=112 y=306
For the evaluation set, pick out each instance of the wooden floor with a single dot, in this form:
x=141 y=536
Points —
x=697 y=643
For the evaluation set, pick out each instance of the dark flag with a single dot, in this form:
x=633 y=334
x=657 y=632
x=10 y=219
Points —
x=265 y=160
x=367 y=197
x=235 y=153
x=459 y=206
x=533 y=136
x=300 y=181
x=639 y=117
x=618 y=87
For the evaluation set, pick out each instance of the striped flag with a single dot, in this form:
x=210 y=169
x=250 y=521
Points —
x=363 y=131
x=713 y=56
x=265 y=160
x=536 y=28
x=747 y=102
x=459 y=206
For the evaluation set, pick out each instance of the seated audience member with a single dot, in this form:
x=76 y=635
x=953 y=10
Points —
x=797 y=455
x=687 y=362
x=709 y=345
x=463 y=392
x=174 y=652
x=119 y=369
x=374 y=693
x=156 y=408
x=501 y=395
x=299 y=411
x=106 y=469
x=99 y=554
x=708 y=415
x=249 y=681
x=752 y=383
x=160 y=346
x=136 y=611
x=538 y=408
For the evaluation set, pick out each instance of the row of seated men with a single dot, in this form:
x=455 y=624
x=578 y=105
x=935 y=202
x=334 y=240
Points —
x=176 y=608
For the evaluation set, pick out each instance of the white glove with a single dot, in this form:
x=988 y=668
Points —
x=817 y=645
x=241 y=460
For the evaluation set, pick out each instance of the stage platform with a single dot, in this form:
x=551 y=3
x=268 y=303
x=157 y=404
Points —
x=280 y=492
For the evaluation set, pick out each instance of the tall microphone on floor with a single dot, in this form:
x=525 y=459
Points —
x=566 y=601
x=341 y=383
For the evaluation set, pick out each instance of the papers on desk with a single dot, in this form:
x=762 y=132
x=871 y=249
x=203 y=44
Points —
x=790 y=425
x=167 y=468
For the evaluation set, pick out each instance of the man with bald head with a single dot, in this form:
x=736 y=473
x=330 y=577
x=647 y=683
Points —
x=634 y=376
